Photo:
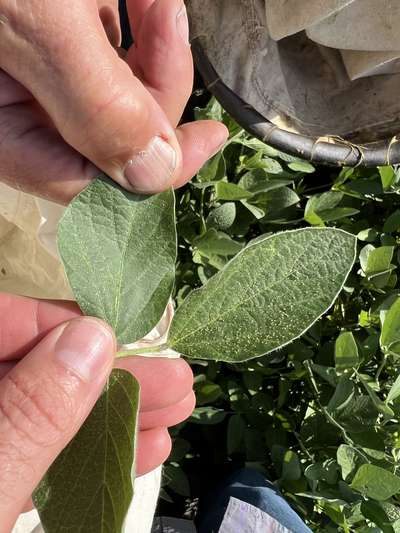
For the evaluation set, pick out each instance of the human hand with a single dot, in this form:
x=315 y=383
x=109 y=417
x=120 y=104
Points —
x=69 y=105
x=53 y=366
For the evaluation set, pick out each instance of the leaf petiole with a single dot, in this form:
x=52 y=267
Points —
x=141 y=351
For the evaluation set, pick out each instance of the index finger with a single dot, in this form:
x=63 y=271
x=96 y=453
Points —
x=25 y=321
x=136 y=11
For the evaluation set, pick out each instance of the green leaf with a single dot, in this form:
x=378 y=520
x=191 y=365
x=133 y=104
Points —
x=349 y=460
x=119 y=253
x=343 y=395
x=258 y=146
x=376 y=260
x=277 y=200
x=291 y=468
x=392 y=223
x=217 y=243
x=259 y=161
x=213 y=170
x=379 y=404
x=222 y=217
x=207 y=392
x=176 y=480
x=375 y=482
x=207 y=416
x=388 y=177
x=89 y=486
x=390 y=334
x=267 y=296
x=254 y=210
x=302 y=166
x=230 y=191
x=346 y=352
x=394 y=391
x=358 y=414
x=258 y=180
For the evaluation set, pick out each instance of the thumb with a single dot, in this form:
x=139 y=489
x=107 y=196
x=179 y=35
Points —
x=91 y=95
x=43 y=402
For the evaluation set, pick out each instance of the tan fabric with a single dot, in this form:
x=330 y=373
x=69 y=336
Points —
x=295 y=81
x=362 y=64
x=286 y=17
x=369 y=25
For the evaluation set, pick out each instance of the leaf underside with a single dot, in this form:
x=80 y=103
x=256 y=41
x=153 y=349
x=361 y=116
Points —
x=267 y=296
x=88 y=488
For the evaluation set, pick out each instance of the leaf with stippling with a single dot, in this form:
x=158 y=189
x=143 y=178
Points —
x=119 y=252
x=267 y=296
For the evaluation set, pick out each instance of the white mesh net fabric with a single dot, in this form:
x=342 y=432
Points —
x=295 y=82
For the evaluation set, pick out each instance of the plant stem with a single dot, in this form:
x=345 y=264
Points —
x=380 y=368
x=326 y=413
x=142 y=351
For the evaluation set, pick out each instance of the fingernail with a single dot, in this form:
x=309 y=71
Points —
x=85 y=347
x=182 y=24
x=151 y=170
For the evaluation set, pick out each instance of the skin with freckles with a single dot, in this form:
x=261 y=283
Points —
x=42 y=406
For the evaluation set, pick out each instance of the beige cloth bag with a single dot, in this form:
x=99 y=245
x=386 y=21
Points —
x=296 y=83
x=30 y=266
x=287 y=17
x=364 y=30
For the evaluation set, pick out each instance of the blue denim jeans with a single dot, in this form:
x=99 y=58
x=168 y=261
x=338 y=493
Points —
x=251 y=487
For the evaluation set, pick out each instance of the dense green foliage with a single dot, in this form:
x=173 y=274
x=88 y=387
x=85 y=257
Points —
x=321 y=419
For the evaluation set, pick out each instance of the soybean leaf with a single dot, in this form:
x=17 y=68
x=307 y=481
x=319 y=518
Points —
x=375 y=482
x=343 y=395
x=302 y=166
x=215 y=242
x=213 y=170
x=257 y=181
x=207 y=416
x=346 y=351
x=259 y=146
x=267 y=296
x=230 y=191
x=379 y=404
x=291 y=468
x=388 y=177
x=257 y=212
x=176 y=479
x=119 y=253
x=394 y=391
x=349 y=460
x=324 y=208
x=89 y=486
x=376 y=260
x=207 y=392
x=259 y=161
x=357 y=415
x=392 y=223
x=390 y=334
x=222 y=217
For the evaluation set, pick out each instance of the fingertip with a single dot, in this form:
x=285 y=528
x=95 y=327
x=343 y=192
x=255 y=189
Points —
x=175 y=375
x=153 y=449
x=199 y=142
